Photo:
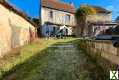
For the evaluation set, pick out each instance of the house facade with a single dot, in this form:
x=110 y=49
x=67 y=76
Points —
x=15 y=29
x=57 y=16
x=97 y=23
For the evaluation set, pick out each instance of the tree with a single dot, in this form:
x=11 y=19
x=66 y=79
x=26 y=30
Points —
x=36 y=21
x=81 y=15
x=83 y=11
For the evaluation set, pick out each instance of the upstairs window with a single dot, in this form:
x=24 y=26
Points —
x=51 y=14
x=67 y=17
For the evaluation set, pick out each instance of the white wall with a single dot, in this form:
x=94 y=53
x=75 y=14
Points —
x=58 y=17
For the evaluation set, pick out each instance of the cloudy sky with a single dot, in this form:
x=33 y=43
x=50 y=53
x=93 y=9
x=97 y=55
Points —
x=31 y=7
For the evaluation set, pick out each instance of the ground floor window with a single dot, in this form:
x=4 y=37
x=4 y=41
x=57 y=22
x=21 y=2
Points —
x=54 y=30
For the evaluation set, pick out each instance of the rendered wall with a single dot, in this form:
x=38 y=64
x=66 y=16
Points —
x=99 y=17
x=14 y=30
x=58 y=17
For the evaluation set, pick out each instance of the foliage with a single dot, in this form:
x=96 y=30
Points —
x=80 y=16
x=83 y=11
x=36 y=21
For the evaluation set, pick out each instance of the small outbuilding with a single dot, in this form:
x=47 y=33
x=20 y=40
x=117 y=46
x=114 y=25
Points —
x=15 y=28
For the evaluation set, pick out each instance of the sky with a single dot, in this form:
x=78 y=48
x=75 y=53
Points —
x=31 y=7
x=111 y=5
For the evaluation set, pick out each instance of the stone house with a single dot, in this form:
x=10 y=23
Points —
x=15 y=28
x=97 y=23
x=57 y=16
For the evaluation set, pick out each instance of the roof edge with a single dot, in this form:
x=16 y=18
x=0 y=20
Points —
x=94 y=6
x=59 y=10
x=16 y=11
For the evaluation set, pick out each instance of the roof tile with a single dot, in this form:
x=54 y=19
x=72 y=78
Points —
x=55 y=4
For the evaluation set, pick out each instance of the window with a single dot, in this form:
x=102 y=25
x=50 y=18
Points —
x=67 y=17
x=51 y=14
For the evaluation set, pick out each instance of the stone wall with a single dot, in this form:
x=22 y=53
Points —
x=15 y=31
x=103 y=51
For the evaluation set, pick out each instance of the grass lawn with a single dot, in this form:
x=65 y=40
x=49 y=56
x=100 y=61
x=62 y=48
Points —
x=21 y=55
x=54 y=59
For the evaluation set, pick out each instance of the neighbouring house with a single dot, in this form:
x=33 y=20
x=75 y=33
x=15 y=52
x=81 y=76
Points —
x=57 y=17
x=15 y=28
x=96 y=24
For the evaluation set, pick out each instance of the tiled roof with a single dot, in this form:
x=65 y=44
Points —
x=98 y=8
x=101 y=10
x=18 y=12
x=55 y=4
